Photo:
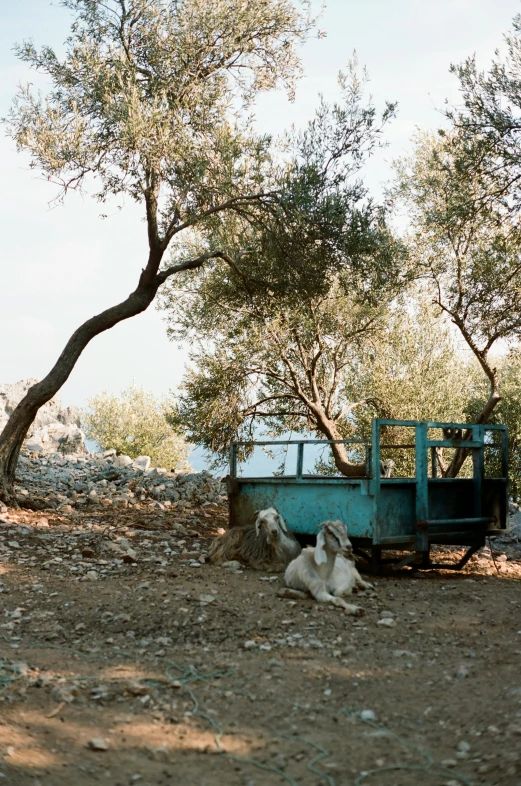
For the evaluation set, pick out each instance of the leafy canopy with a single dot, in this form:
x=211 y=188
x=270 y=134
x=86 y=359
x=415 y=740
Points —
x=275 y=334
x=488 y=123
x=415 y=371
x=467 y=248
x=134 y=424
x=149 y=99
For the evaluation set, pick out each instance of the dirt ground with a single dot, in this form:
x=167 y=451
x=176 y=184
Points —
x=172 y=671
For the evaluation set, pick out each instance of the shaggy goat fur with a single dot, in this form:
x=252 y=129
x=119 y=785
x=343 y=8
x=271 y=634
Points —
x=264 y=544
x=326 y=571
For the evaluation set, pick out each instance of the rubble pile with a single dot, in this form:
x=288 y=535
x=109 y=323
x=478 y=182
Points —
x=83 y=481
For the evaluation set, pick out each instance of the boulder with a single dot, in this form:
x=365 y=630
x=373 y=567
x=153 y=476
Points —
x=56 y=429
x=56 y=438
x=52 y=412
x=122 y=461
x=142 y=463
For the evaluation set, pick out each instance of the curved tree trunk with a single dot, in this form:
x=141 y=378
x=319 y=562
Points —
x=339 y=451
x=461 y=453
x=16 y=429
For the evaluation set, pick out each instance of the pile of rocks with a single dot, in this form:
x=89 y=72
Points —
x=83 y=481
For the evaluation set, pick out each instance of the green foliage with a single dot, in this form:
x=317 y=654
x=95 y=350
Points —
x=415 y=372
x=135 y=424
x=507 y=413
x=150 y=95
x=471 y=255
x=488 y=124
x=415 y=369
x=276 y=332
x=467 y=247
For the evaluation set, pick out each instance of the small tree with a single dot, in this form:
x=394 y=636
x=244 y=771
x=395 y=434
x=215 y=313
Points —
x=135 y=424
x=415 y=368
x=142 y=105
x=281 y=368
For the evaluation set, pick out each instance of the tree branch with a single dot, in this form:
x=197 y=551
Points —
x=174 y=228
x=191 y=264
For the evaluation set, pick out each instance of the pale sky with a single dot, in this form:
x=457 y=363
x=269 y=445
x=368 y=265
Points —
x=60 y=266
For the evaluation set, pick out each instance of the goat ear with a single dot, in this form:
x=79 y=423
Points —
x=257 y=524
x=282 y=523
x=320 y=549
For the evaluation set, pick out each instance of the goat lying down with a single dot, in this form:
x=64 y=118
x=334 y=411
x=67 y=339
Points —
x=265 y=544
x=327 y=571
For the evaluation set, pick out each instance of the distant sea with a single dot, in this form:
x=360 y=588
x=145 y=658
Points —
x=260 y=464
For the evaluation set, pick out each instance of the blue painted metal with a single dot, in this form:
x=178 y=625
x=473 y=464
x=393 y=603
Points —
x=411 y=512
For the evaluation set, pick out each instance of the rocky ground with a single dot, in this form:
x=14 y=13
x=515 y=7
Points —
x=126 y=659
x=87 y=482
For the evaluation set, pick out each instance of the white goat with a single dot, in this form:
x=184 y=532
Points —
x=324 y=571
x=386 y=468
x=264 y=545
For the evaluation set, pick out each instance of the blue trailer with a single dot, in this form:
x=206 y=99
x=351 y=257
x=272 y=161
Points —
x=402 y=514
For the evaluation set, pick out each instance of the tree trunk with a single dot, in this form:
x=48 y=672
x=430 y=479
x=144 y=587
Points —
x=16 y=429
x=342 y=463
x=461 y=453
x=11 y=441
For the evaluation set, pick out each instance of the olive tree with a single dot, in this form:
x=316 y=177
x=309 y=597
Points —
x=488 y=123
x=148 y=102
x=468 y=249
x=508 y=413
x=135 y=424
x=416 y=371
x=277 y=340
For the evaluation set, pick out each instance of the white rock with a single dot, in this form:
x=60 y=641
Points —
x=387 y=622
x=404 y=654
x=56 y=437
x=122 y=461
x=368 y=715
x=142 y=463
x=21 y=668
x=164 y=641
x=232 y=564
x=97 y=744
x=160 y=754
x=52 y=412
